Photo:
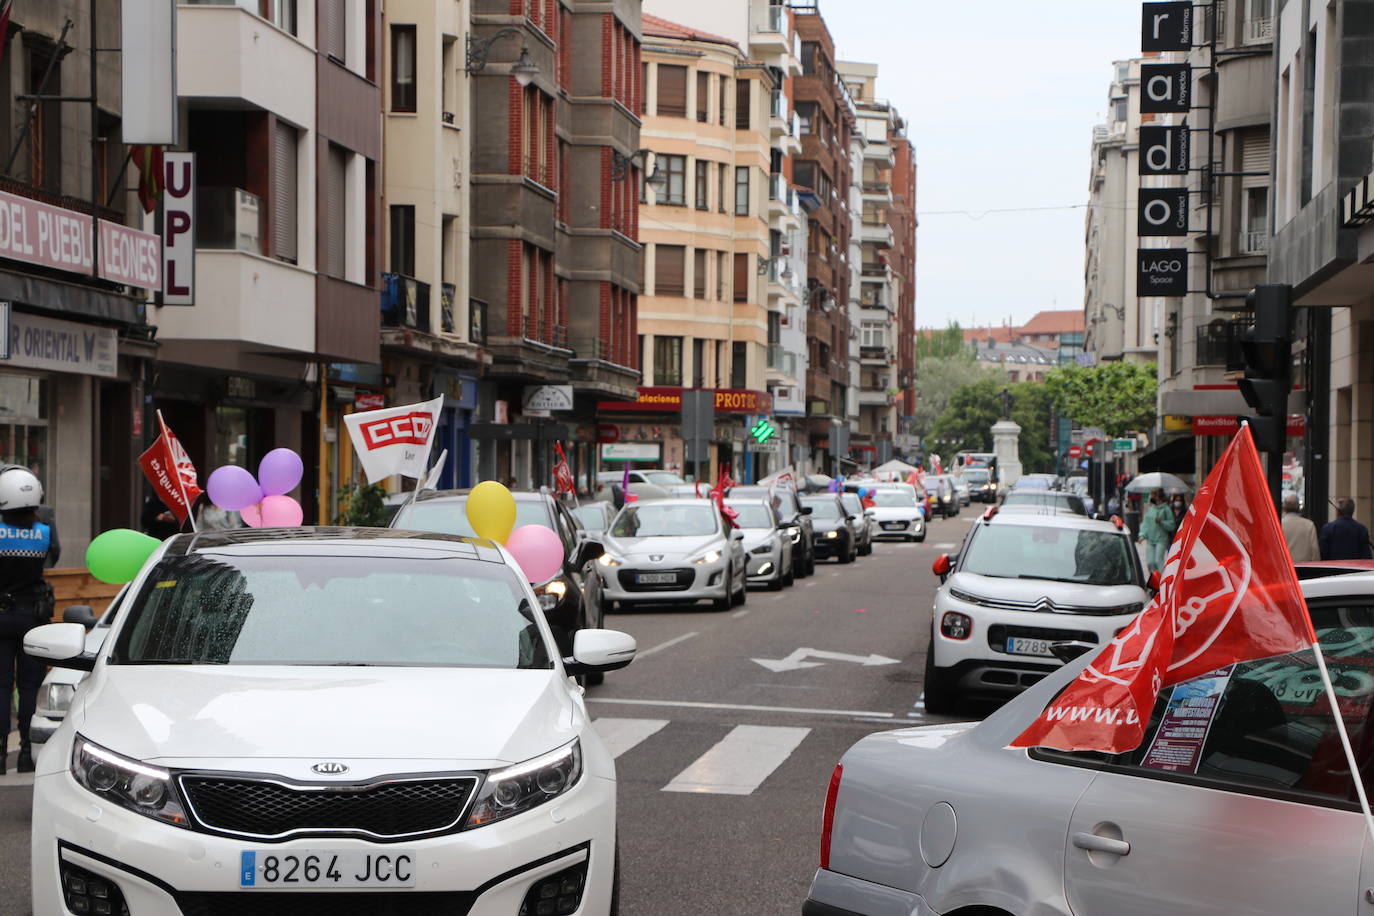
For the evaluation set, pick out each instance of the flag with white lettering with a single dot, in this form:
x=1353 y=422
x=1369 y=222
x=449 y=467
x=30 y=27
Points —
x=170 y=470
x=395 y=440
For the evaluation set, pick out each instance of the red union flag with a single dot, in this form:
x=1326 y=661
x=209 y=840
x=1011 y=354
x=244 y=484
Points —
x=562 y=474
x=396 y=440
x=170 y=471
x=1228 y=593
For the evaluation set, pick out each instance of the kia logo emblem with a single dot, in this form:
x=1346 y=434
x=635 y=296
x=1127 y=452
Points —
x=656 y=557
x=330 y=768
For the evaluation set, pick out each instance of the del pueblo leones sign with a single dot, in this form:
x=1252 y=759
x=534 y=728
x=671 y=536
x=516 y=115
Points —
x=37 y=233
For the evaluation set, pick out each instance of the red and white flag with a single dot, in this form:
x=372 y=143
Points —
x=723 y=483
x=1228 y=593
x=395 y=440
x=170 y=471
x=563 y=481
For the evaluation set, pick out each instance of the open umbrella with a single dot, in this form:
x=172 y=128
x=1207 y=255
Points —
x=1157 y=480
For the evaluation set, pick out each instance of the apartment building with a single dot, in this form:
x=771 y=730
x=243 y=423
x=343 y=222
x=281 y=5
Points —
x=72 y=389
x=555 y=252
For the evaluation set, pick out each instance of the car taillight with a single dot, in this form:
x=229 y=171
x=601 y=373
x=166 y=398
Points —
x=956 y=625
x=828 y=816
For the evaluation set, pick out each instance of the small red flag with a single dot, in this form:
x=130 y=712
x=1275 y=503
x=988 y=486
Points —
x=152 y=171
x=1228 y=593
x=563 y=481
x=170 y=471
x=724 y=482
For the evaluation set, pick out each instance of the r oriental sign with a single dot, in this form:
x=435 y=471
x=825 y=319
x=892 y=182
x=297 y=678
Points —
x=49 y=236
x=669 y=400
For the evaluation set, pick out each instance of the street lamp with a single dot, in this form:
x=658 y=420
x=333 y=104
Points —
x=620 y=169
x=479 y=49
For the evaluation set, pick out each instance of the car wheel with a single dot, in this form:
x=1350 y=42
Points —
x=789 y=578
x=811 y=564
x=940 y=694
x=868 y=549
x=739 y=597
x=726 y=601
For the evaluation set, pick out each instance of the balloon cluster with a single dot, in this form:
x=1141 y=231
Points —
x=261 y=500
x=537 y=548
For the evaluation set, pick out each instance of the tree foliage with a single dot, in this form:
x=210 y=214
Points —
x=938 y=378
x=1031 y=410
x=1114 y=397
x=966 y=422
x=941 y=344
x=363 y=505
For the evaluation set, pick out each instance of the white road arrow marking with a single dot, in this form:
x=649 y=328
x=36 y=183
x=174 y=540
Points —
x=797 y=660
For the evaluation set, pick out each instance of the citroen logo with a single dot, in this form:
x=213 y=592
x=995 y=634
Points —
x=1045 y=606
x=330 y=768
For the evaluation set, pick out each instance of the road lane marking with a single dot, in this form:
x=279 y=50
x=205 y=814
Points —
x=948 y=546
x=738 y=614
x=739 y=762
x=666 y=645
x=620 y=735
x=689 y=704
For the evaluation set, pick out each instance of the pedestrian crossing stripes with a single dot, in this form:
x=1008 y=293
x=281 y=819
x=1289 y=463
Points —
x=736 y=765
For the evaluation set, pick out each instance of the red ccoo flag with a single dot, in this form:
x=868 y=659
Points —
x=170 y=471
x=1228 y=593
x=562 y=474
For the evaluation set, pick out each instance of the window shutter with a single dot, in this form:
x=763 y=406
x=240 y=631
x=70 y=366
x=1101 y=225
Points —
x=332 y=37
x=335 y=186
x=668 y=270
x=672 y=91
x=741 y=278
x=1254 y=157
x=284 y=191
x=703 y=96
x=699 y=273
x=743 y=104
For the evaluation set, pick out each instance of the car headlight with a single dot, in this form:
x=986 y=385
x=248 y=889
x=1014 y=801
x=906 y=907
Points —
x=609 y=561
x=763 y=548
x=795 y=534
x=709 y=556
x=834 y=533
x=143 y=789
x=58 y=698
x=516 y=789
x=550 y=593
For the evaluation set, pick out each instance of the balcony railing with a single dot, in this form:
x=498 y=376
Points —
x=1254 y=242
x=230 y=219
x=874 y=270
x=405 y=302
x=447 y=293
x=780 y=190
x=876 y=187
x=1259 y=30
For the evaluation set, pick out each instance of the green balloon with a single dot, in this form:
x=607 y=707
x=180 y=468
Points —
x=117 y=555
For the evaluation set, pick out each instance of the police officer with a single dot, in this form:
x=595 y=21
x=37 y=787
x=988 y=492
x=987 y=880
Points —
x=26 y=601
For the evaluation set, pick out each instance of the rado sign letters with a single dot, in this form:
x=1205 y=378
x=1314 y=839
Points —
x=1162 y=211
x=1164 y=150
x=1165 y=88
x=1162 y=272
x=1166 y=26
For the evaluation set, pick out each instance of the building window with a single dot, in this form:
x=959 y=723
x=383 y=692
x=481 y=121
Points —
x=743 y=104
x=1254 y=217
x=703 y=184
x=644 y=82
x=720 y=364
x=284 y=191
x=804 y=174
x=698 y=363
x=24 y=425
x=806 y=114
x=739 y=364
x=742 y=190
x=721 y=275
x=668 y=361
x=720 y=187
x=808 y=57
x=703 y=96
x=403 y=239
x=699 y=273
x=675 y=191
x=741 y=277
x=873 y=334
x=724 y=95
x=333 y=29
x=403 y=68
x=672 y=91
x=336 y=212
x=668 y=270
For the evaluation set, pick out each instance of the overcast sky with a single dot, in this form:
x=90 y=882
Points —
x=1000 y=98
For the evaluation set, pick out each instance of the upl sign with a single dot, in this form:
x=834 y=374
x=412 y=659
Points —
x=1161 y=272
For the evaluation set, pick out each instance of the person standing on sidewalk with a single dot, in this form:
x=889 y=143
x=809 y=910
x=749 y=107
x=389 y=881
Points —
x=1299 y=532
x=1157 y=530
x=26 y=601
x=1343 y=538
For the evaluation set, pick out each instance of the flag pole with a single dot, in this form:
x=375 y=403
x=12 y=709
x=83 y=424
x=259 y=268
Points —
x=1355 y=775
x=176 y=472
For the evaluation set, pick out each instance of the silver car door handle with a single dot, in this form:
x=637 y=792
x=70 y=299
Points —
x=1094 y=843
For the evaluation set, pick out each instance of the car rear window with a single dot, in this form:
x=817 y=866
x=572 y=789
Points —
x=449 y=516
x=1054 y=553
x=1046 y=498
x=226 y=609
x=893 y=499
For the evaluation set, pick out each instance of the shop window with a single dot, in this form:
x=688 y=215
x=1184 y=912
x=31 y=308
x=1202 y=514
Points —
x=24 y=424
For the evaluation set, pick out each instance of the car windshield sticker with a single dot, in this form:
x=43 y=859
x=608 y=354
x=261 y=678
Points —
x=166 y=583
x=1177 y=745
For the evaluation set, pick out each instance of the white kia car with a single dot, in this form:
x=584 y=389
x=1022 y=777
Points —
x=766 y=541
x=1021 y=584
x=897 y=514
x=674 y=550
x=326 y=720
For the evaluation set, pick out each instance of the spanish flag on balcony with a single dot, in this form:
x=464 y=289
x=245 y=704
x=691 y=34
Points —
x=151 y=171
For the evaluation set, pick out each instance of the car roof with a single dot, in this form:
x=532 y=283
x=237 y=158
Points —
x=1056 y=520
x=318 y=540
x=1355 y=583
x=521 y=496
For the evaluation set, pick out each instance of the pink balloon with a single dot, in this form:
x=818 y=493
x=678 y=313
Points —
x=538 y=550
x=281 y=512
x=252 y=515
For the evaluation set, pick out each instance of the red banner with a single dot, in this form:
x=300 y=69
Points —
x=562 y=474
x=1230 y=425
x=170 y=471
x=1228 y=593
x=665 y=399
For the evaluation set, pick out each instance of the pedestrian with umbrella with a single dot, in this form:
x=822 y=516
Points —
x=1157 y=530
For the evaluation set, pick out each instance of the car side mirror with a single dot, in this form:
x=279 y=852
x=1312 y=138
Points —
x=599 y=650
x=79 y=613
x=588 y=551
x=1154 y=581
x=63 y=644
x=851 y=518
x=941 y=566
x=807 y=510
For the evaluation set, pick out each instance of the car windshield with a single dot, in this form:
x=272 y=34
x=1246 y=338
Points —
x=593 y=518
x=852 y=504
x=823 y=508
x=893 y=499
x=782 y=497
x=976 y=475
x=663 y=478
x=1046 y=498
x=752 y=515
x=660 y=521
x=449 y=516
x=375 y=611
x=1058 y=554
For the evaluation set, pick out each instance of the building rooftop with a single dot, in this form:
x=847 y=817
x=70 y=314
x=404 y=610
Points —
x=1061 y=322
x=658 y=27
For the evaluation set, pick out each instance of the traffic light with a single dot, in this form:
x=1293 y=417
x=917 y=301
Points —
x=1268 y=351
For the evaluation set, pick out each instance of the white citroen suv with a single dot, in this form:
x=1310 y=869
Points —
x=1021 y=584
x=326 y=720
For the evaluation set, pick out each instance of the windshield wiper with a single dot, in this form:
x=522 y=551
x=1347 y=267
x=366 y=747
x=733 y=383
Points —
x=1054 y=579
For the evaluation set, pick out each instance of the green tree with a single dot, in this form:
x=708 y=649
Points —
x=1115 y=397
x=363 y=506
x=1031 y=408
x=967 y=420
x=941 y=344
x=938 y=378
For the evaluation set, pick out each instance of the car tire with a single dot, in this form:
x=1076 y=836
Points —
x=811 y=564
x=739 y=597
x=868 y=549
x=789 y=578
x=919 y=539
x=615 y=883
x=940 y=695
x=727 y=601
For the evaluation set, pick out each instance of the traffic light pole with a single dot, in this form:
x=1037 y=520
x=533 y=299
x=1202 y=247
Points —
x=1268 y=350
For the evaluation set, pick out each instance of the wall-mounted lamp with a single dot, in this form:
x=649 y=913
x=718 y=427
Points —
x=479 y=50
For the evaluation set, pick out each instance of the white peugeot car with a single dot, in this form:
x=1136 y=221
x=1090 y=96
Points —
x=1021 y=584
x=326 y=720
x=674 y=550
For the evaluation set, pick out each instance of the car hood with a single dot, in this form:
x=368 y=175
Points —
x=205 y=715
x=1030 y=591
x=753 y=537
x=823 y=525
x=678 y=547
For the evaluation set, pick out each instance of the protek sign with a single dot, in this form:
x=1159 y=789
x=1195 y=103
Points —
x=179 y=229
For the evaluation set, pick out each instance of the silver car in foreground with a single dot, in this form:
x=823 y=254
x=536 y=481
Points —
x=767 y=543
x=678 y=550
x=1238 y=801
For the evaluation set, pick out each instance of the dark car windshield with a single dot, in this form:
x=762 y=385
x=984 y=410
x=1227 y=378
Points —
x=752 y=515
x=1060 y=554
x=449 y=516
x=823 y=508
x=660 y=521
x=893 y=499
x=224 y=609
x=1046 y=498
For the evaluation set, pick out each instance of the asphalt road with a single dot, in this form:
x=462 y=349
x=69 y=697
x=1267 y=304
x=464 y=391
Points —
x=723 y=762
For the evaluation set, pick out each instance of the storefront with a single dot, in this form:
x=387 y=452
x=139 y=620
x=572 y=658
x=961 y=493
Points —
x=656 y=418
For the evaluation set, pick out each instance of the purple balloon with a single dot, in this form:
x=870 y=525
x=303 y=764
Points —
x=232 y=488
x=280 y=471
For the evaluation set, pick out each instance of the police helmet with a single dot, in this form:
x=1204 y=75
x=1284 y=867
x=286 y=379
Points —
x=19 y=489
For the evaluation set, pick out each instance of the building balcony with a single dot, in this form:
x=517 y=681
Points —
x=880 y=153
x=877 y=192
x=1253 y=243
x=878 y=233
x=405 y=303
x=1218 y=343
x=247 y=302
x=874 y=269
x=1258 y=30
x=876 y=397
x=881 y=353
x=226 y=52
x=768 y=28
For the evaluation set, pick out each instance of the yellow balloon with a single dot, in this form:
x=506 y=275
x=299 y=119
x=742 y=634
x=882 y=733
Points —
x=491 y=511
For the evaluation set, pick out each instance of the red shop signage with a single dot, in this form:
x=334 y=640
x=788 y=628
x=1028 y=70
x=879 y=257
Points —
x=665 y=399
x=1230 y=425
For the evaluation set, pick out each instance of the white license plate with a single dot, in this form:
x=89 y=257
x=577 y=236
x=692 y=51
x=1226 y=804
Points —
x=656 y=578
x=317 y=869
x=1017 y=645
x=893 y=526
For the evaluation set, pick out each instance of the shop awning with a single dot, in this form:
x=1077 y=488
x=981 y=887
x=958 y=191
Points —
x=68 y=300
x=1176 y=457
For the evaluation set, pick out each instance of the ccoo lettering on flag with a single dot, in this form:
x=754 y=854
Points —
x=395 y=440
